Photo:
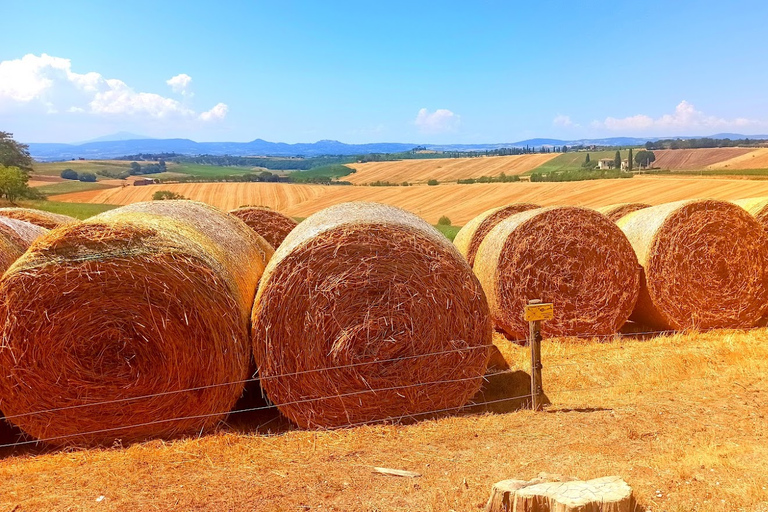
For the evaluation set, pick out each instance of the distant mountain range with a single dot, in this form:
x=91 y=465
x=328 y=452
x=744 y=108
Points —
x=118 y=145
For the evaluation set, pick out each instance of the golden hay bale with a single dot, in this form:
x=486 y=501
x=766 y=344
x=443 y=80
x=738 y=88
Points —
x=469 y=237
x=617 y=211
x=704 y=265
x=574 y=257
x=15 y=237
x=271 y=224
x=40 y=218
x=366 y=312
x=148 y=299
x=758 y=207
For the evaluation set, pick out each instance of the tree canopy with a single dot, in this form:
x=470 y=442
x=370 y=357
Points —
x=14 y=154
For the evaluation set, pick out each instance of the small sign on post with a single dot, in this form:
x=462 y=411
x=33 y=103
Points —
x=535 y=313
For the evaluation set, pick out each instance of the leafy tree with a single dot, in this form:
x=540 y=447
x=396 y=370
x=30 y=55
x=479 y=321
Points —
x=14 y=154
x=69 y=174
x=629 y=161
x=161 y=164
x=88 y=177
x=586 y=160
x=444 y=221
x=161 y=195
x=644 y=158
x=135 y=168
x=617 y=160
x=433 y=182
x=13 y=183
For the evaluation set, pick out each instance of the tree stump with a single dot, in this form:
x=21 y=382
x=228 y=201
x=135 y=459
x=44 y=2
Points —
x=552 y=493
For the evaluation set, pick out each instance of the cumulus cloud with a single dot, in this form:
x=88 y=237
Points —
x=218 y=112
x=47 y=82
x=685 y=117
x=180 y=84
x=564 y=121
x=439 y=121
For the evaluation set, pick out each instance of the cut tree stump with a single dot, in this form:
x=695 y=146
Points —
x=554 y=493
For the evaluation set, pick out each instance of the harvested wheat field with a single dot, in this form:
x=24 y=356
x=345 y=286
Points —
x=460 y=203
x=445 y=169
x=696 y=159
x=755 y=159
x=681 y=418
x=129 y=342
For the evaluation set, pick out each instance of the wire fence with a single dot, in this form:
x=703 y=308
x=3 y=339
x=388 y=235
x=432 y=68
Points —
x=390 y=419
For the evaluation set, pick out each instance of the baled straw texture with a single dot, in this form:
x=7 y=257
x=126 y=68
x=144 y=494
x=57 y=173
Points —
x=469 y=238
x=574 y=257
x=757 y=207
x=146 y=299
x=366 y=312
x=40 y=218
x=704 y=265
x=15 y=237
x=617 y=211
x=270 y=224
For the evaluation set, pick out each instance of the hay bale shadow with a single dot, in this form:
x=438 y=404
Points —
x=254 y=414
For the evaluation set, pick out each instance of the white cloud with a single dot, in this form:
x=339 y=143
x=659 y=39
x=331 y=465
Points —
x=48 y=84
x=684 y=119
x=218 y=112
x=564 y=121
x=439 y=121
x=180 y=83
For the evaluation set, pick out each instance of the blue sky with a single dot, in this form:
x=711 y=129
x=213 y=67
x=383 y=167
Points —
x=421 y=72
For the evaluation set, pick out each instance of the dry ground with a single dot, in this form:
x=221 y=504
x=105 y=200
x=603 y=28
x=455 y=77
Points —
x=757 y=159
x=682 y=418
x=445 y=169
x=459 y=202
x=696 y=159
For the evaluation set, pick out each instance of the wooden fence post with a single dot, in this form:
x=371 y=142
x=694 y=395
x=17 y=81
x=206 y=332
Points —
x=535 y=313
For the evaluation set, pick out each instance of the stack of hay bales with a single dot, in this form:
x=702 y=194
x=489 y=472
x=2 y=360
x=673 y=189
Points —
x=40 y=218
x=575 y=258
x=705 y=265
x=365 y=313
x=125 y=310
x=469 y=237
x=270 y=224
x=617 y=211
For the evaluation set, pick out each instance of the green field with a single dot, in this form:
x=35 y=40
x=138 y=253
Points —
x=77 y=210
x=335 y=171
x=206 y=171
x=66 y=187
x=94 y=166
x=573 y=160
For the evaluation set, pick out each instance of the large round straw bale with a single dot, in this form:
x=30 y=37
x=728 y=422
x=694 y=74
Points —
x=470 y=236
x=575 y=258
x=704 y=265
x=40 y=218
x=617 y=211
x=15 y=237
x=124 y=311
x=367 y=313
x=271 y=224
x=758 y=207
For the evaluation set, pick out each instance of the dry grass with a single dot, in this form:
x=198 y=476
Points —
x=617 y=211
x=460 y=203
x=445 y=169
x=47 y=220
x=697 y=159
x=369 y=291
x=755 y=159
x=682 y=418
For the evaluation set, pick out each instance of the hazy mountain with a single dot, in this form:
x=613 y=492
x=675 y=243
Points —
x=116 y=136
x=102 y=149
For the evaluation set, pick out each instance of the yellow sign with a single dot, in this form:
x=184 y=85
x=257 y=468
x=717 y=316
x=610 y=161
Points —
x=537 y=312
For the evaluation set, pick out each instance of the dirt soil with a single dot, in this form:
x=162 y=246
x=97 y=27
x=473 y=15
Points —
x=681 y=418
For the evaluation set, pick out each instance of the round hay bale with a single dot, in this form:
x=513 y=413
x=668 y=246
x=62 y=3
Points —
x=366 y=313
x=470 y=236
x=757 y=207
x=575 y=258
x=124 y=311
x=704 y=265
x=617 y=211
x=15 y=237
x=272 y=225
x=40 y=218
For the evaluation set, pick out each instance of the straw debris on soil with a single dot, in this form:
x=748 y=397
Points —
x=575 y=258
x=705 y=265
x=40 y=218
x=147 y=299
x=269 y=223
x=349 y=309
x=470 y=236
